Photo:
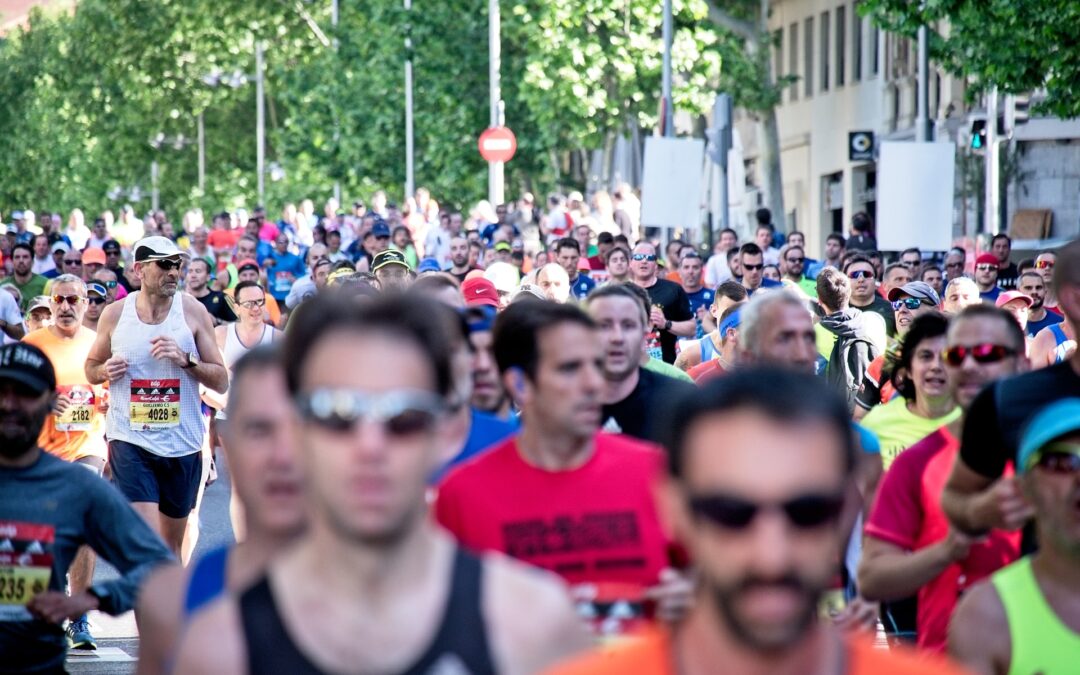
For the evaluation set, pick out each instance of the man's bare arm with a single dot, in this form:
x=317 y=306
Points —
x=101 y=350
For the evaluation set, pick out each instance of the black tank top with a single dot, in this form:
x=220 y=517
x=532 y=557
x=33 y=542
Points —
x=460 y=645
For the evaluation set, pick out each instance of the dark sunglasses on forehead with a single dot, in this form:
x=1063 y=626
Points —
x=401 y=413
x=168 y=265
x=861 y=274
x=643 y=256
x=982 y=353
x=748 y=266
x=805 y=512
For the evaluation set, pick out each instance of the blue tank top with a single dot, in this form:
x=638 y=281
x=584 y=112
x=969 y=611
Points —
x=708 y=349
x=207 y=581
x=1061 y=352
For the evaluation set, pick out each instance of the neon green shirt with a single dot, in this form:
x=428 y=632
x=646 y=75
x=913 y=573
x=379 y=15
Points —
x=898 y=428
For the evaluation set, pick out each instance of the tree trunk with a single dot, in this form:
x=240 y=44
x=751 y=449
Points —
x=772 y=182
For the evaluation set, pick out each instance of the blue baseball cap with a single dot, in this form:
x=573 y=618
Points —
x=380 y=229
x=1060 y=418
x=428 y=265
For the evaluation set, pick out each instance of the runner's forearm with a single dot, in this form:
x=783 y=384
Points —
x=211 y=375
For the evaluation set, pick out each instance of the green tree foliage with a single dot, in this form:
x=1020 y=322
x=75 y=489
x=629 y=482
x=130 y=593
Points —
x=1015 y=45
x=82 y=93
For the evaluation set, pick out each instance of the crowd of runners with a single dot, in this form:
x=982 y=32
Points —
x=536 y=438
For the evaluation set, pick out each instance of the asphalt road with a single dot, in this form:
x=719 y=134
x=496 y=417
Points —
x=117 y=637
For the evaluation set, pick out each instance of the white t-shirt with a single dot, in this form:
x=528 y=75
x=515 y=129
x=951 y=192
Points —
x=9 y=313
x=717 y=271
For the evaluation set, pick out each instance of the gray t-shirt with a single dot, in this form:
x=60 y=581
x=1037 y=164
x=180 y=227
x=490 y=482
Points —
x=48 y=510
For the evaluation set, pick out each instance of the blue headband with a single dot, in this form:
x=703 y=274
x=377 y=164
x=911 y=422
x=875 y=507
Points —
x=731 y=322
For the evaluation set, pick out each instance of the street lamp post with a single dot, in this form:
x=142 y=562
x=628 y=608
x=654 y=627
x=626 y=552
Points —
x=409 y=176
x=496 y=170
x=159 y=141
x=236 y=80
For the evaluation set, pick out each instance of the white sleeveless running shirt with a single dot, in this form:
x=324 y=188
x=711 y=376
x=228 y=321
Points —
x=155 y=405
x=234 y=348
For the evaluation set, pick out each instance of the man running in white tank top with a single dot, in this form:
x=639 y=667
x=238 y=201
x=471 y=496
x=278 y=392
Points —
x=155 y=347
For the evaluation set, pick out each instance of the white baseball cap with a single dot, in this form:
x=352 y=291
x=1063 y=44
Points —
x=156 y=248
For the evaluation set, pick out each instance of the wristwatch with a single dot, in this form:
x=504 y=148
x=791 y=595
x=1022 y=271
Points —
x=667 y=325
x=192 y=360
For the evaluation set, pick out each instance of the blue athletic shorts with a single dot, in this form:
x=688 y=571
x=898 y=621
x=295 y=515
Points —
x=170 y=482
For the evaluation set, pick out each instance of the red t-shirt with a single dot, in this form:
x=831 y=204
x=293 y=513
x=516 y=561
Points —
x=907 y=513
x=220 y=240
x=596 y=526
x=703 y=372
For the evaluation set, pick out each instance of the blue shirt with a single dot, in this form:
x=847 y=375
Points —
x=1051 y=318
x=485 y=430
x=581 y=286
x=703 y=297
x=990 y=295
x=279 y=283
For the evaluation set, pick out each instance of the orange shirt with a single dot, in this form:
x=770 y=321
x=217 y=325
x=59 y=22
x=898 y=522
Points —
x=80 y=430
x=650 y=654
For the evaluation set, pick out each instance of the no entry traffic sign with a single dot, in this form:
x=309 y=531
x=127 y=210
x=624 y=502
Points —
x=497 y=144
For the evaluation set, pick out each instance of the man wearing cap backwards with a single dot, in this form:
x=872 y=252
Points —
x=48 y=509
x=909 y=547
x=986 y=274
x=632 y=394
x=1032 y=607
x=977 y=497
x=908 y=301
x=1017 y=304
x=155 y=347
x=392 y=271
x=75 y=431
x=96 y=299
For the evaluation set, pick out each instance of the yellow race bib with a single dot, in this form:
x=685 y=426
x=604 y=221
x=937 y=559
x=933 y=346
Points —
x=155 y=404
x=80 y=412
x=26 y=561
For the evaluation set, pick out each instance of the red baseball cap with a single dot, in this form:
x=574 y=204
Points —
x=480 y=291
x=987 y=259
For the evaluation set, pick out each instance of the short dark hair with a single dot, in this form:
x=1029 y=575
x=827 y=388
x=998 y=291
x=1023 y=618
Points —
x=894 y=266
x=913 y=249
x=984 y=310
x=22 y=245
x=836 y=236
x=731 y=253
x=763 y=216
x=246 y=284
x=929 y=268
x=258 y=358
x=620 y=249
x=424 y=322
x=860 y=222
x=1029 y=273
x=854 y=258
x=781 y=394
x=924 y=327
x=567 y=242
x=750 y=248
x=621 y=239
x=605 y=238
x=833 y=289
x=334 y=233
x=517 y=332
x=728 y=230
x=1000 y=235
x=202 y=260
x=732 y=290
x=627 y=290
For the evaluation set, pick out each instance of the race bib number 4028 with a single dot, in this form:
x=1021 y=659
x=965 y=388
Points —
x=155 y=404
x=26 y=561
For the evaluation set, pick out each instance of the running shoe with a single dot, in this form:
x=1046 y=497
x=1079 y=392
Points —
x=78 y=633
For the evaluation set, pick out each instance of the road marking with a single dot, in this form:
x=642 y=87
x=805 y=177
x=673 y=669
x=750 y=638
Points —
x=111 y=654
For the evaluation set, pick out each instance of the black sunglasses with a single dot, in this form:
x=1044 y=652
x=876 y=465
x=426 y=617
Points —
x=982 y=353
x=796 y=261
x=748 y=266
x=168 y=265
x=734 y=513
x=911 y=303
x=94 y=300
x=72 y=261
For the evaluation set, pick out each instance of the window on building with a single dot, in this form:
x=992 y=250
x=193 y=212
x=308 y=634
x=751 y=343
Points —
x=808 y=57
x=793 y=58
x=824 y=51
x=875 y=36
x=856 y=43
x=841 y=44
x=778 y=54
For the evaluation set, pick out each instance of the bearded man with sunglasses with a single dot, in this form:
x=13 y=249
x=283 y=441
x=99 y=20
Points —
x=75 y=430
x=1030 y=607
x=758 y=464
x=670 y=316
x=373 y=585
x=909 y=547
x=155 y=348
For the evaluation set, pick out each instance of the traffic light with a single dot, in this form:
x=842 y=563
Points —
x=977 y=134
x=1017 y=111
